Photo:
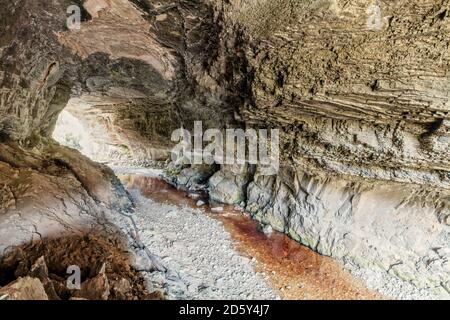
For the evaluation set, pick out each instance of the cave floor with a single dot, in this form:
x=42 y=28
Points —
x=220 y=253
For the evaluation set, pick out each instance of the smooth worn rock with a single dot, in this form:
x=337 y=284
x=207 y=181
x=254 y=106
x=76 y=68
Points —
x=57 y=191
x=200 y=203
x=229 y=184
x=195 y=176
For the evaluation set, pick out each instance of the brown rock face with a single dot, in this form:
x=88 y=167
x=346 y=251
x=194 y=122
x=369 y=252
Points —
x=353 y=98
x=54 y=191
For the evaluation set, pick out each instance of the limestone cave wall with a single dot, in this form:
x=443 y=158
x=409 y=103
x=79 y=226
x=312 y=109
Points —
x=363 y=111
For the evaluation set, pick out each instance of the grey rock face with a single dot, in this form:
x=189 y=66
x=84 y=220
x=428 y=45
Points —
x=386 y=226
x=229 y=185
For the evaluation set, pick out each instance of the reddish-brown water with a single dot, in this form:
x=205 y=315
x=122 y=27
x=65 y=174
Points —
x=294 y=270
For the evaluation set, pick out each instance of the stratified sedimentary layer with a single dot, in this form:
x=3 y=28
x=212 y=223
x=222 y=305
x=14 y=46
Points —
x=364 y=118
x=358 y=89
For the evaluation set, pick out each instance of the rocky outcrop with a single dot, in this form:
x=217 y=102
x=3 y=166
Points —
x=359 y=91
x=39 y=271
x=362 y=102
x=133 y=73
x=363 y=114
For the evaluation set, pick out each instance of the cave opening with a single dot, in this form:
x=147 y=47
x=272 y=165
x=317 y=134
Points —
x=71 y=132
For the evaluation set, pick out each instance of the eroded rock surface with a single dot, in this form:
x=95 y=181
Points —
x=42 y=268
x=54 y=191
x=157 y=72
x=24 y=289
x=362 y=108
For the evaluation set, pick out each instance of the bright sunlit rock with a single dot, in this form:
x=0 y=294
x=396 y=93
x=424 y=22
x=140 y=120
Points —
x=70 y=132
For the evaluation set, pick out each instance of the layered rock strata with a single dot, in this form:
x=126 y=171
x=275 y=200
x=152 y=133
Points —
x=358 y=89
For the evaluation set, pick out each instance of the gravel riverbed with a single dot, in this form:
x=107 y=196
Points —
x=198 y=253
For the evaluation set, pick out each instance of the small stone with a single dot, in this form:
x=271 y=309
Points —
x=268 y=230
x=200 y=203
x=217 y=209
x=447 y=220
x=194 y=195
x=161 y=17
x=141 y=262
x=193 y=288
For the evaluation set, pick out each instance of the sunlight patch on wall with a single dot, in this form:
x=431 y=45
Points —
x=70 y=132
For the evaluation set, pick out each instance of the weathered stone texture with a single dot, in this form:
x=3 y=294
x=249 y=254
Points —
x=363 y=111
